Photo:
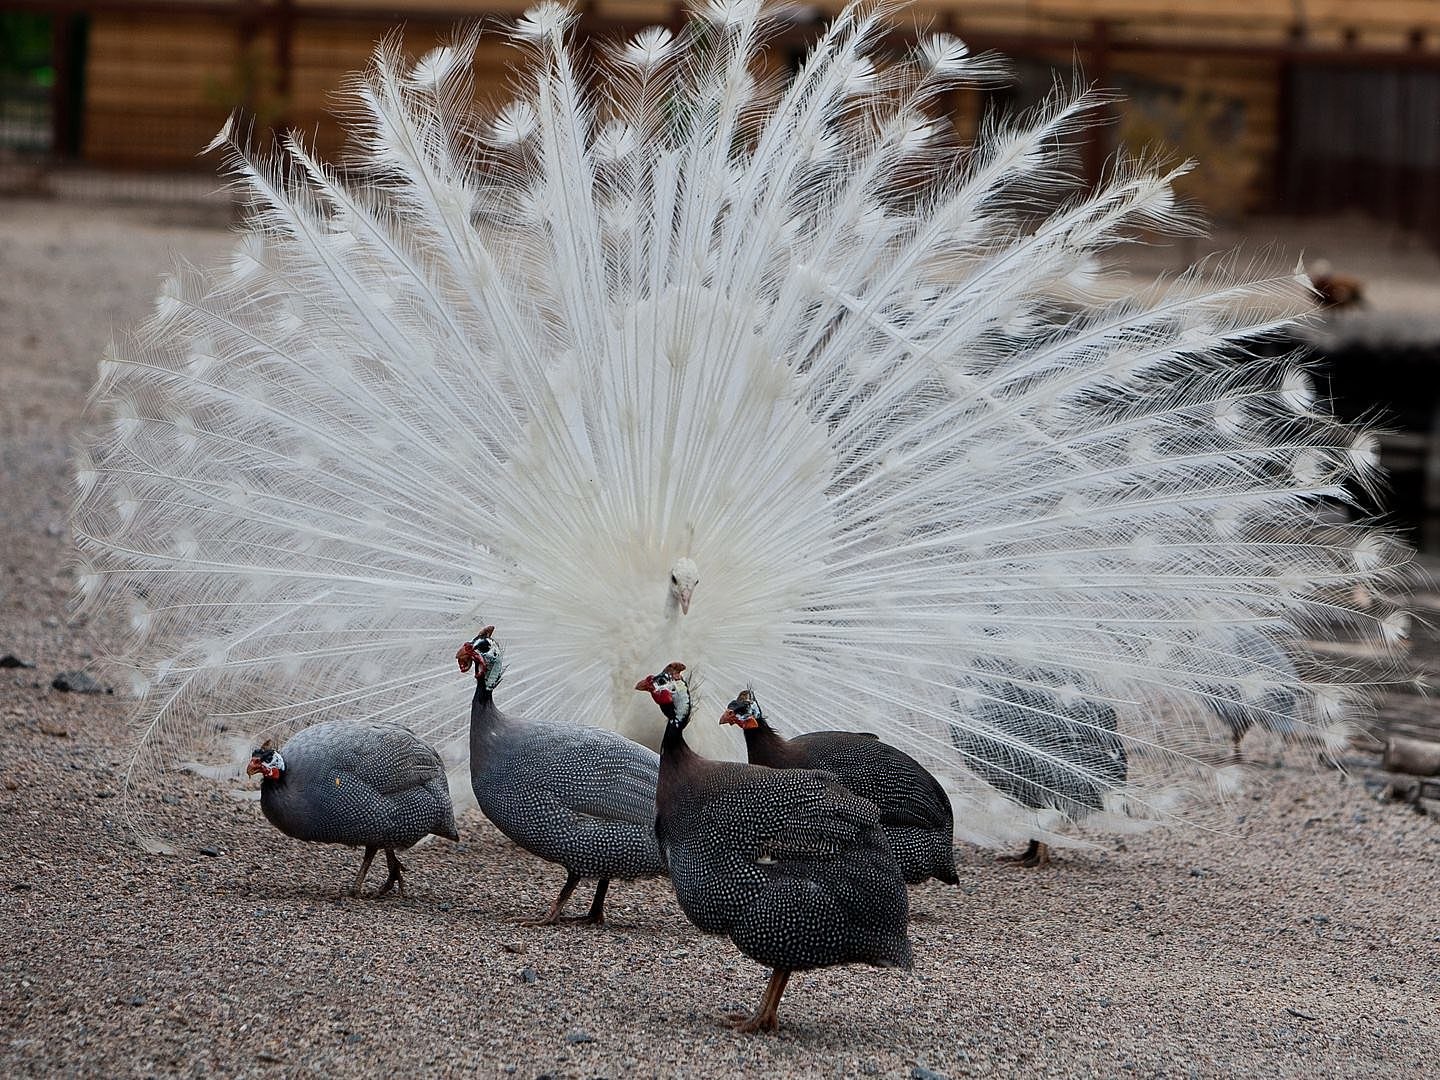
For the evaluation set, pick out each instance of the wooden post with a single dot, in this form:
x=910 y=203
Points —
x=1098 y=135
x=284 y=18
x=64 y=108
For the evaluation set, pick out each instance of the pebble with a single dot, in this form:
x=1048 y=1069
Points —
x=214 y=853
x=578 y=1035
x=530 y=975
x=77 y=682
x=919 y=1072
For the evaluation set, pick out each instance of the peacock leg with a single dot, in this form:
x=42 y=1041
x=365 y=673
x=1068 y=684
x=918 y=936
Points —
x=1025 y=857
x=553 y=915
x=1037 y=854
x=397 y=872
x=765 y=1018
x=364 y=868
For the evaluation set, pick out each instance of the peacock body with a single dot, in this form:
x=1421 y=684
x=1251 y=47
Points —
x=671 y=357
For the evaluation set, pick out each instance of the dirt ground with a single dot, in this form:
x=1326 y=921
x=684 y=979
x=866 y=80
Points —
x=1300 y=938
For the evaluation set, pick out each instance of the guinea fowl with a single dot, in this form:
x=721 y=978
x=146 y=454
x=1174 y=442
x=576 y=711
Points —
x=1272 y=708
x=569 y=330
x=914 y=809
x=355 y=782
x=791 y=865
x=578 y=796
x=1045 y=749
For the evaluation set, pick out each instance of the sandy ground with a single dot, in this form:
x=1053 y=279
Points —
x=1300 y=939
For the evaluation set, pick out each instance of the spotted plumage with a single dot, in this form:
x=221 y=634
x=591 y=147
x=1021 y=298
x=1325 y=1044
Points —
x=578 y=796
x=1043 y=748
x=914 y=810
x=790 y=864
x=370 y=785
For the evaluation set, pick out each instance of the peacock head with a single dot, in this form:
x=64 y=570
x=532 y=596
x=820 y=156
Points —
x=484 y=652
x=266 y=761
x=744 y=712
x=670 y=692
x=684 y=576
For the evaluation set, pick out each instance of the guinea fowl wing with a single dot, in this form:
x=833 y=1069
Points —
x=905 y=793
x=389 y=758
x=811 y=880
x=616 y=783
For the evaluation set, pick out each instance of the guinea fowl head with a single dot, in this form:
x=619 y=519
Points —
x=670 y=692
x=744 y=712
x=684 y=576
x=266 y=761
x=484 y=652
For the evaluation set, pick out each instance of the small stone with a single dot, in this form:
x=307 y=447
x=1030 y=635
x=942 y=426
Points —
x=214 y=853
x=530 y=975
x=12 y=785
x=77 y=682
x=352 y=1037
x=509 y=1070
x=21 y=886
x=919 y=1072
x=1301 y=1013
x=1196 y=871
x=138 y=999
x=10 y=660
x=266 y=1055
x=514 y=946
x=578 y=1035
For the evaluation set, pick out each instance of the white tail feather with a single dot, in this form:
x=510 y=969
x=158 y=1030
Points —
x=938 y=483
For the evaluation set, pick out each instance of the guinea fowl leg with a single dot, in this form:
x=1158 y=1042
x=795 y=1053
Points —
x=765 y=1018
x=553 y=915
x=596 y=916
x=397 y=872
x=364 y=868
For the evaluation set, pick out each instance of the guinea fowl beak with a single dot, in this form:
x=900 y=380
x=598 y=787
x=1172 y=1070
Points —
x=254 y=767
x=729 y=717
x=647 y=684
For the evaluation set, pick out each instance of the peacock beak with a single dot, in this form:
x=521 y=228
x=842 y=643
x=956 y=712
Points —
x=685 y=595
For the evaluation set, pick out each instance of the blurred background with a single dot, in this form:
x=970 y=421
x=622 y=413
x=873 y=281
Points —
x=1315 y=125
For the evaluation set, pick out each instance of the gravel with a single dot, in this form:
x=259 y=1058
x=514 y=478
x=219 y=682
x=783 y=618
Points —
x=1297 y=934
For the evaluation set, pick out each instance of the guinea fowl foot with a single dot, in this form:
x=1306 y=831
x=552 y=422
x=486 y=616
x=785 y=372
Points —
x=765 y=1018
x=364 y=869
x=1037 y=854
x=551 y=917
x=397 y=875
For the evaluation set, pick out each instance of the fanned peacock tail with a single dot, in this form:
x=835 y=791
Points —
x=943 y=479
